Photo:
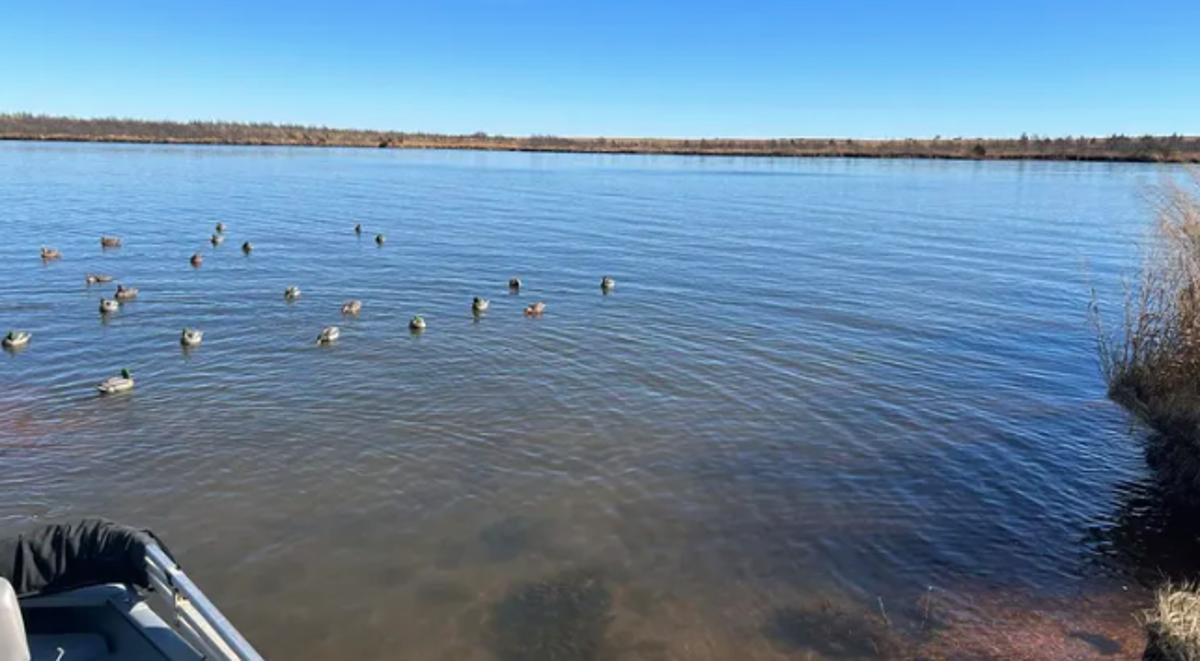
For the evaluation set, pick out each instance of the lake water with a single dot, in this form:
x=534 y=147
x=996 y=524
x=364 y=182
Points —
x=823 y=393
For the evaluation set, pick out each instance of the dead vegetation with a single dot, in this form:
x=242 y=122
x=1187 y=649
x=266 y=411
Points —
x=1174 y=148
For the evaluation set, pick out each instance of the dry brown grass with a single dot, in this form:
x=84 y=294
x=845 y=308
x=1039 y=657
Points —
x=1153 y=365
x=1173 y=624
x=1174 y=148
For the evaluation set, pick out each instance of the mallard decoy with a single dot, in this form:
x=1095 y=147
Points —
x=217 y=239
x=514 y=284
x=607 y=283
x=108 y=306
x=98 y=278
x=247 y=247
x=329 y=335
x=50 y=253
x=116 y=384
x=358 y=228
x=110 y=242
x=291 y=293
x=125 y=293
x=197 y=260
x=220 y=228
x=535 y=309
x=16 y=339
x=191 y=337
x=351 y=307
x=417 y=323
x=480 y=305
x=379 y=239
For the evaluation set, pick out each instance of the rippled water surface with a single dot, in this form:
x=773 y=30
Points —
x=816 y=382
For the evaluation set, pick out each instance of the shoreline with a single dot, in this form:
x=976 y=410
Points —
x=1189 y=159
x=1111 y=149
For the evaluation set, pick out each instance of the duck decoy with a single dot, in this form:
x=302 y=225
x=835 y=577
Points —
x=191 y=337
x=116 y=384
x=16 y=339
x=535 y=309
x=329 y=335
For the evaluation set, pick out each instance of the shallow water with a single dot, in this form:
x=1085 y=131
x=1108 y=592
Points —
x=816 y=381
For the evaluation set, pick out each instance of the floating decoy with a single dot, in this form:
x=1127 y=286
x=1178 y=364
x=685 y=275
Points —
x=116 y=384
x=329 y=335
x=358 y=228
x=217 y=239
x=108 y=306
x=220 y=227
x=291 y=293
x=197 y=260
x=16 y=339
x=98 y=278
x=50 y=253
x=351 y=307
x=514 y=284
x=607 y=283
x=417 y=323
x=379 y=239
x=535 y=309
x=110 y=242
x=125 y=293
x=480 y=304
x=191 y=337
x=247 y=247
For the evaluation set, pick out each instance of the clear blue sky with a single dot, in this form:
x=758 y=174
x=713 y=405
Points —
x=755 y=68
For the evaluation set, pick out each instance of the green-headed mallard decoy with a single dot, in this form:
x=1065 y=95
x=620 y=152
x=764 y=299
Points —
x=16 y=339
x=329 y=335
x=191 y=337
x=116 y=384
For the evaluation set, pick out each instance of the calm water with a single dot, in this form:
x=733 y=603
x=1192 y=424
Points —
x=816 y=381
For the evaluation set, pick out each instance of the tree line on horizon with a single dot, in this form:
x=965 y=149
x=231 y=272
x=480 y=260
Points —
x=1147 y=148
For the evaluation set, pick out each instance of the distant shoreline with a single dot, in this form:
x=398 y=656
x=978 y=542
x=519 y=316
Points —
x=1144 y=149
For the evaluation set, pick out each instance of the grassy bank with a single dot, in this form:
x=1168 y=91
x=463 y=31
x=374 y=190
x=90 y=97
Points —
x=1153 y=364
x=1173 y=625
x=22 y=126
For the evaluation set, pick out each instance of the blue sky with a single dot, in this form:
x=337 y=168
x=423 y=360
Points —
x=739 y=68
